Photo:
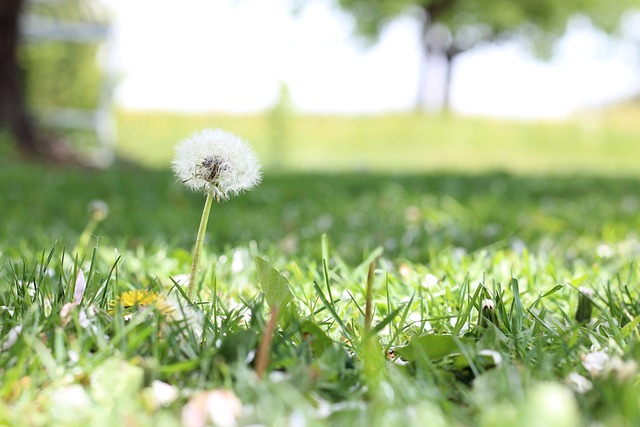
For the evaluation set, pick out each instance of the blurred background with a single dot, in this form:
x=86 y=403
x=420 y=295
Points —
x=392 y=85
x=413 y=126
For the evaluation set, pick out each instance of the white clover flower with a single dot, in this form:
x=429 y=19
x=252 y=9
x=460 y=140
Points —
x=217 y=162
x=596 y=362
x=163 y=394
x=222 y=407
x=430 y=281
x=579 y=383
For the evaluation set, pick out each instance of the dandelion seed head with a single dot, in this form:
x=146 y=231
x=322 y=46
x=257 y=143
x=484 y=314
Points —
x=98 y=209
x=218 y=162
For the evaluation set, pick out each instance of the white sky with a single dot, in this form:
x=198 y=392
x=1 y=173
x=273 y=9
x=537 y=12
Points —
x=231 y=55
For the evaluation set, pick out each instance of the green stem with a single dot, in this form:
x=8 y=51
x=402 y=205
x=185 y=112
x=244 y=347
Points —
x=83 y=241
x=197 y=251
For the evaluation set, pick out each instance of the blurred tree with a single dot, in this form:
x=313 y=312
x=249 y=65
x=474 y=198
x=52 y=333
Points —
x=450 y=27
x=279 y=118
x=14 y=115
x=50 y=49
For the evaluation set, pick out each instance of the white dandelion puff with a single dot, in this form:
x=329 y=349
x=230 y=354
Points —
x=218 y=162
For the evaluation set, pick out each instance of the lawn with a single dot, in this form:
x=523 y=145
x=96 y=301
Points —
x=430 y=275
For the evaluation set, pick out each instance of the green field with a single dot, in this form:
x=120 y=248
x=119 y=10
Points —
x=600 y=142
x=447 y=211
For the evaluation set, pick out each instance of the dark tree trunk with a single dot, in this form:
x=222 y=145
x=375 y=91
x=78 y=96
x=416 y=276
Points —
x=421 y=101
x=450 y=55
x=14 y=113
x=13 y=110
x=446 y=90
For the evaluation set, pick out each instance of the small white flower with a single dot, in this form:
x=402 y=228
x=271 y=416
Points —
x=163 y=394
x=623 y=370
x=218 y=162
x=429 y=281
x=185 y=314
x=72 y=396
x=494 y=355
x=579 y=383
x=12 y=337
x=181 y=279
x=604 y=251
x=222 y=407
x=74 y=356
x=239 y=260
x=596 y=362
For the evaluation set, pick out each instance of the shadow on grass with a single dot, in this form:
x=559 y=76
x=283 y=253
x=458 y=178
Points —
x=411 y=216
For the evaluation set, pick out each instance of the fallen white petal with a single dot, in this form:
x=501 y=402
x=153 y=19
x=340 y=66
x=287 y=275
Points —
x=81 y=284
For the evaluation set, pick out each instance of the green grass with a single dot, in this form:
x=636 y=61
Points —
x=441 y=242
x=597 y=142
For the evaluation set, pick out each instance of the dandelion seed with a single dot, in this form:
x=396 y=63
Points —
x=219 y=164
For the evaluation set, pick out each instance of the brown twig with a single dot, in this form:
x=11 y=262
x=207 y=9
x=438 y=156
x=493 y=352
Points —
x=262 y=359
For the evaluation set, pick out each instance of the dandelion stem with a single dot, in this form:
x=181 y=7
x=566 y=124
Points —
x=83 y=241
x=197 y=251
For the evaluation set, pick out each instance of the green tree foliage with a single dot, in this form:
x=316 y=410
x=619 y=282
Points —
x=450 y=27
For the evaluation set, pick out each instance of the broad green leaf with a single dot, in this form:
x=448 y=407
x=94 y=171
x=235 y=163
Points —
x=317 y=338
x=517 y=311
x=174 y=368
x=629 y=328
x=237 y=345
x=275 y=285
x=431 y=346
x=116 y=378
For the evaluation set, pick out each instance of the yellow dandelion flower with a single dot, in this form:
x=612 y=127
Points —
x=140 y=298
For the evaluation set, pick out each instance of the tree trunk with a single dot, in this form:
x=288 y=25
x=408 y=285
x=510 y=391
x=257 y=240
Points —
x=421 y=101
x=446 y=95
x=421 y=95
x=14 y=112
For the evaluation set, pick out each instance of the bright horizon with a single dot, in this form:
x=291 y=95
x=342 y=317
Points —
x=231 y=56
